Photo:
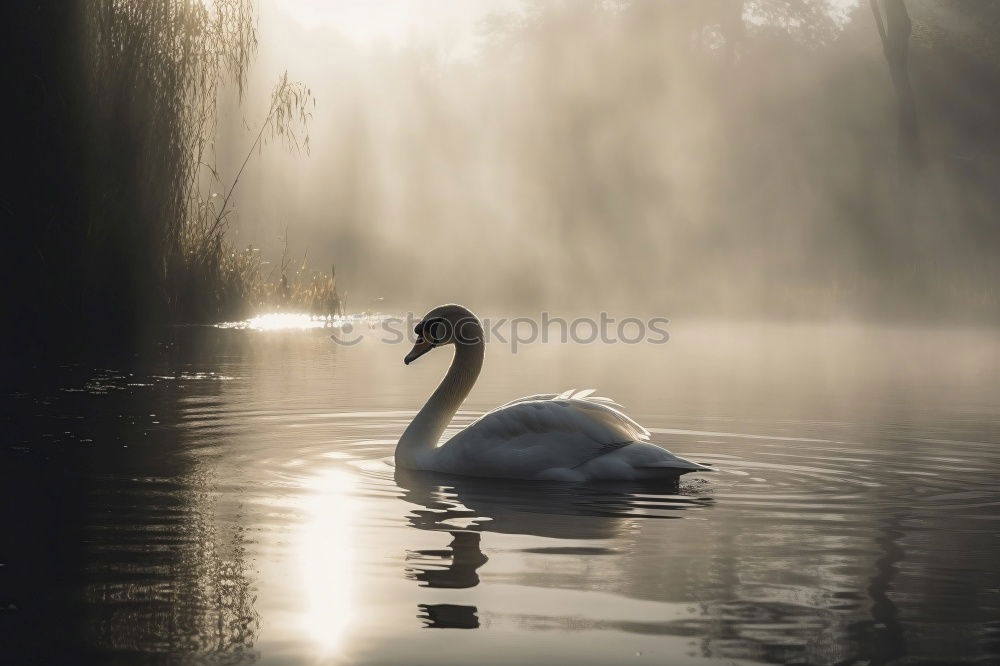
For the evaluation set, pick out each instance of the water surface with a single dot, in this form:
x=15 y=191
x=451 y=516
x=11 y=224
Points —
x=230 y=500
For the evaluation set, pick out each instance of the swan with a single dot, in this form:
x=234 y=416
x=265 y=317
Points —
x=570 y=436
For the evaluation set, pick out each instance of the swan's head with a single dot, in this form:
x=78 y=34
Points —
x=445 y=325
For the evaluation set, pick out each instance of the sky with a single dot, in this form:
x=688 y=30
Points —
x=396 y=22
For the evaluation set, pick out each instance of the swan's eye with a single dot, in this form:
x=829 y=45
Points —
x=435 y=331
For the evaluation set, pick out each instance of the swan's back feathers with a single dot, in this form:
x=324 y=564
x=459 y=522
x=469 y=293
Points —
x=571 y=394
x=539 y=432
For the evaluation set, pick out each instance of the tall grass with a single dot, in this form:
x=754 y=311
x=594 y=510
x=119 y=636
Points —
x=162 y=210
x=208 y=277
x=116 y=216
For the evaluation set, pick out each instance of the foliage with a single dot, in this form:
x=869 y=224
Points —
x=210 y=278
x=161 y=66
x=118 y=207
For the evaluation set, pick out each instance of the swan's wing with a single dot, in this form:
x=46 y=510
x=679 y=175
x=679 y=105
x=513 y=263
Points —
x=577 y=395
x=528 y=398
x=531 y=435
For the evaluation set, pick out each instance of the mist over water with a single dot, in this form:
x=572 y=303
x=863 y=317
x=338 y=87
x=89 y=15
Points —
x=686 y=157
x=765 y=228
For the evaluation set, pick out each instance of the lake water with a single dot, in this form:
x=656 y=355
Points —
x=229 y=500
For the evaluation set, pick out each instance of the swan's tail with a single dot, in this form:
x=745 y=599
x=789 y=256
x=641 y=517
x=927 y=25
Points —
x=676 y=466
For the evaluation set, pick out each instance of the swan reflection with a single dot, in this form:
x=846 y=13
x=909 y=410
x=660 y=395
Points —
x=454 y=567
x=469 y=510
x=449 y=616
x=550 y=510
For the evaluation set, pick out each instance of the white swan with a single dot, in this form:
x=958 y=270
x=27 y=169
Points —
x=562 y=437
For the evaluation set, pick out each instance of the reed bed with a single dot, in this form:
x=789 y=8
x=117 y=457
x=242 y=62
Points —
x=157 y=211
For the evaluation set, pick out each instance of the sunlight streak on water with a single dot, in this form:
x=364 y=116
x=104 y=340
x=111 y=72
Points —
x=326 y=559
x=284 y=321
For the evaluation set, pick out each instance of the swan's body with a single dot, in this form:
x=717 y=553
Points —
x=563 y=437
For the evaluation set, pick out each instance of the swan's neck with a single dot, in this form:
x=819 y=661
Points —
x=425 y=430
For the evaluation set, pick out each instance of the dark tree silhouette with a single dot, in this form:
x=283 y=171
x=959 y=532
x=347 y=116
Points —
x=894 y=31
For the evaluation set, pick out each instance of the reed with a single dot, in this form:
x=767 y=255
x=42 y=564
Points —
x=163 y=209
x=117 y=207
x=209 y=278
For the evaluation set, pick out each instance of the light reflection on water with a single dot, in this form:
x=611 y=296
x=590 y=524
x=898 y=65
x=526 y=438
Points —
x=237 y=504
x=290 y=321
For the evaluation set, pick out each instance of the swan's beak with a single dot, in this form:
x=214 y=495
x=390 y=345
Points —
x=419 y=349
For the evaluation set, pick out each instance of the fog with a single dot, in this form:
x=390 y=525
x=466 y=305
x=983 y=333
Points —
x=207 y=451
x=685 y=158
